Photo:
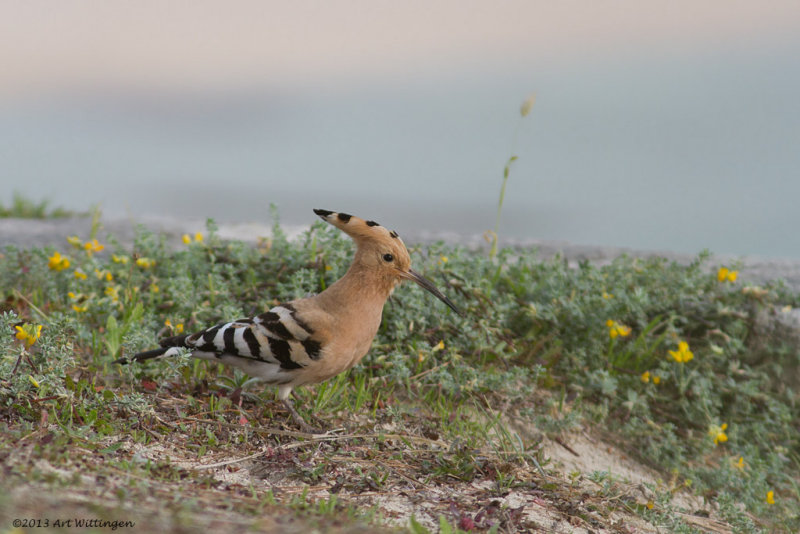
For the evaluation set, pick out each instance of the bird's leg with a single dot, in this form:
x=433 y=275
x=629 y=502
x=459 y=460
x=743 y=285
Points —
x=298 y=419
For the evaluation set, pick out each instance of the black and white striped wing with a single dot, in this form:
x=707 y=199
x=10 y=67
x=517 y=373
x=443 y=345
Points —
x=277 y=338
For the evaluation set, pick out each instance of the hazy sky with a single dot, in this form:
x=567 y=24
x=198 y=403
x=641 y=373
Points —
x=53 y=46
x=658 y=124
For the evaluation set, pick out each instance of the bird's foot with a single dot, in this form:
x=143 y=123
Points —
x=298 y=419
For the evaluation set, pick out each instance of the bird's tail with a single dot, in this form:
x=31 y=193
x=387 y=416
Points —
x=169 y=347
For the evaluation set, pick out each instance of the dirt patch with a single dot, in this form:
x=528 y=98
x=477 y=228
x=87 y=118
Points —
x=276 y=477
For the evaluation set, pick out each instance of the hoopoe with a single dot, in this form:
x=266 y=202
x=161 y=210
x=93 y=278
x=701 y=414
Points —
x=310 y=340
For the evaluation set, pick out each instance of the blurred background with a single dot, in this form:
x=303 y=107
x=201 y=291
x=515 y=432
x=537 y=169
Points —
x=657 y=125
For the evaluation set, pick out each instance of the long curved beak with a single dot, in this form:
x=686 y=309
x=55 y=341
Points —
x=428 y=286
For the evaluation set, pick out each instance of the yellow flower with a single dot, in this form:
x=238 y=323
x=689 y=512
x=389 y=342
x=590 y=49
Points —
x=439 y=346
x=726 y=275
x=80 y=309
x=616 y=329
x=112 y=292
x=608 y=295
x=650 y=505
x=75 y=241
x=103 y=274
x=154 y=288
x=80 y=275
x=33 y=381
x=656 y=380
x=186 y=239
x=683 y=354
x=328 y=267
x=28 y=333
x=718 y=433
x=770 y=497
x=72 y=295
x=145 y=263
x=420 y=356
x=740 y=464
x=119 y=259
x=93 y=246
x=198 y=237
x=443 y=259
x=178 y=328
x=57 y=262
x=646 y=376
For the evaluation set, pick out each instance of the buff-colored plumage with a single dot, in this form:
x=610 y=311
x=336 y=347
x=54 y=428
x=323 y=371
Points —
x=310 y=340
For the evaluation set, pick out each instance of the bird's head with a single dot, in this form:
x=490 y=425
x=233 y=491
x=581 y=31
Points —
x=381 y=251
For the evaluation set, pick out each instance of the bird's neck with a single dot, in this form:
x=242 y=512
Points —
x=360 y=290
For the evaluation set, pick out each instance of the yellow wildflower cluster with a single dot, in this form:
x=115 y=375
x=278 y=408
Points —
x=80 y=275
x=717 y=432
x=90 y=246
x=616 y=329
x=57 y=262
x=607 y=295
x=770 y=497
x=647 y=376
x=103 y=274
x=726 y=275
x=113 y=293
x=120 y=259
x=683 y=354
x=198 y=237
x=80 y=302
x=178 y=328
x=28 y=333
x=145 y=263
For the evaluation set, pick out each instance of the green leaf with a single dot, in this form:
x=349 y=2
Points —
x=112 y=326
x=416 y=528
x=111 y=448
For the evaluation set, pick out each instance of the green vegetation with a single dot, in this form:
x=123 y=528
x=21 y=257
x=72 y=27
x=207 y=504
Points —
x=26 y=208
x=674 y=364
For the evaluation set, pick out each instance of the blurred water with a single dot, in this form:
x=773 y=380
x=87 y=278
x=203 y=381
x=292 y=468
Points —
x=653 y=153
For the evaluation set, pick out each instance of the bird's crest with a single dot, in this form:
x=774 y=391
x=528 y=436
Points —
x=356 y=227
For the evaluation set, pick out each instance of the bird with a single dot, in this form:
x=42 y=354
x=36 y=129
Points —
x=309 y=340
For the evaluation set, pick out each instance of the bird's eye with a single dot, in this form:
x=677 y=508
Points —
x=388 y=257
